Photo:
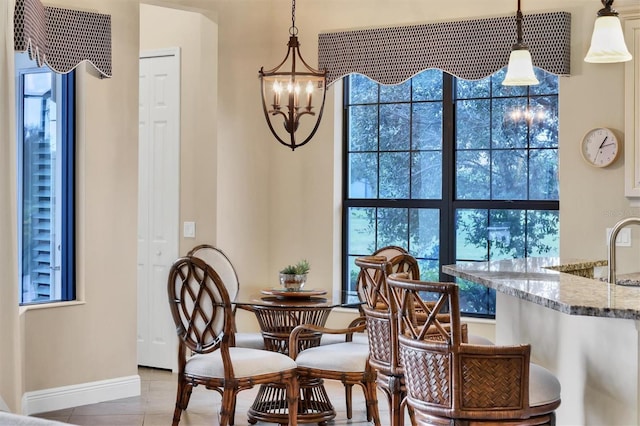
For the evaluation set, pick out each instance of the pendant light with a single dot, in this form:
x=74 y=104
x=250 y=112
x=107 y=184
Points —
x=607 y=41
x=290 y=93
x=520 y=68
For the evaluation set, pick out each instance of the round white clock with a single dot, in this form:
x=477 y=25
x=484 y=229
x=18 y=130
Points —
x=600 y=147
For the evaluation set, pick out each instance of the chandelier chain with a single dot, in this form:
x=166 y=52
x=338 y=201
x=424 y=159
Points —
x=293 y=30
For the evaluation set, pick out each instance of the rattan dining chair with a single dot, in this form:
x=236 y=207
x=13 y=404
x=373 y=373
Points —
x=347 y=362
x=204 y=320
x=221 y=263
x=451 y=382
x=381 y=324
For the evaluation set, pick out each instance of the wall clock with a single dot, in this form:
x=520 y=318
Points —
x=600 y=147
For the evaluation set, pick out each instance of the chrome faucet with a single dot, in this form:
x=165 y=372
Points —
x=612 y=244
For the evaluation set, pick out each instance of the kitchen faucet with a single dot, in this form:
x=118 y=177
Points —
x=612 y=244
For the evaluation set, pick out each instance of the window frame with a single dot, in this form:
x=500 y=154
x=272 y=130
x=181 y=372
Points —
x=66 y=132
x=447 y=206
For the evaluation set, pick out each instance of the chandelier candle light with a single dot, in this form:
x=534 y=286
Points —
x=520 y=68
x=282 y=93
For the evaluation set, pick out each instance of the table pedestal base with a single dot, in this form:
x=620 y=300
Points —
x=314 y=406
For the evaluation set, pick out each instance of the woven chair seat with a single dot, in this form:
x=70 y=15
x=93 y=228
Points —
x=544 y=386
x=245 y=361
x=250 y=340
x=353 y=357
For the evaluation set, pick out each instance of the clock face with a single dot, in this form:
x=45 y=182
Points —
x=600 y=147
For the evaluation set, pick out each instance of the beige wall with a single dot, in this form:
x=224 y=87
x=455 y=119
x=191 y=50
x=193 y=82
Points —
x=263 y=204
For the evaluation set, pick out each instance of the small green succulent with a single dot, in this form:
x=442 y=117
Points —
x=300 y=268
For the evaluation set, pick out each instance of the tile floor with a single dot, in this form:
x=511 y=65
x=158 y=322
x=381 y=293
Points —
x=155 y=406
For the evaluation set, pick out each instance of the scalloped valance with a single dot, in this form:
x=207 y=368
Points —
x=63 y=38
x=471 y=49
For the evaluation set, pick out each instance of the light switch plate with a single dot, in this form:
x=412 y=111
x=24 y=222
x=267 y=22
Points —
x=623 y=239
x=189 y=230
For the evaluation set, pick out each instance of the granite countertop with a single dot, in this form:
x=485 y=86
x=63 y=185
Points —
x=555 y=283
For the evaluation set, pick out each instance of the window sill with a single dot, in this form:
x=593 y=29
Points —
x=50 y=305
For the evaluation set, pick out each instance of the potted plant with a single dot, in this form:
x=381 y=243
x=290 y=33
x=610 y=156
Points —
x=293 y=277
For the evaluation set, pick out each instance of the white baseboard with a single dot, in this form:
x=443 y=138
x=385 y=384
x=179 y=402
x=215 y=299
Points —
x=63 y=397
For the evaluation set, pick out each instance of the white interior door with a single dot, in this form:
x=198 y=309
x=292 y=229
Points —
x=158 y=204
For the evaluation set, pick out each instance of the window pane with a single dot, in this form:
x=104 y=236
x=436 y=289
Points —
x=392 y=227
x=506 y=234
x=471 y=235
x=363 y=175
x=424 y=235
x=476 y=298
x=473 y=175
x=544 y=122
x=473 y=124
x=427 y=86
x=363 y=128
x=542 y=230
x=543 y=174
x=509 y=175
x=427 y=125
x=394 y=170
x=509 y=123
x=396 y=93
x=394 y=127
x=362 y=90
x=467 y=89
x=426 y=175
x=361 y=230
x=45 y=195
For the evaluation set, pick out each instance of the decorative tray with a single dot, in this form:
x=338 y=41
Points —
x=293 y=294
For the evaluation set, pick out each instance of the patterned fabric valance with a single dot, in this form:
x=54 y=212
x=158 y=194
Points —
x=471 y=49
x=63 y=38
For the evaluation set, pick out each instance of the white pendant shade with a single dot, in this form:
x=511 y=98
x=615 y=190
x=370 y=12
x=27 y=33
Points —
x=607 y=42
x=520 y=69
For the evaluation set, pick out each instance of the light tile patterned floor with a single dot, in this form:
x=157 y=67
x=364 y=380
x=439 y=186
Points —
x=154 y=407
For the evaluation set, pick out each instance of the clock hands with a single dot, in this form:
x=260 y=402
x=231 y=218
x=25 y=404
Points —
x=600 y=148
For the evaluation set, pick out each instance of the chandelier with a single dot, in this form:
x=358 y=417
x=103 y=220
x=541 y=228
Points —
x=291 y=91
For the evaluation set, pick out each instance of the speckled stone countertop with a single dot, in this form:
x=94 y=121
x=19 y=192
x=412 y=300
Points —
x=541 y=280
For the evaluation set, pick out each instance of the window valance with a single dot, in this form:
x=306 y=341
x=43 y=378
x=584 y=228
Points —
x=63 y=38
x=471 y=49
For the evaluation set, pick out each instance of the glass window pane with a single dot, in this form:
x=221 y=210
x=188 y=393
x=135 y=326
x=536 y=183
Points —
x=506 y=234
x=473 y=124
x=544 y=122
x=361 y=225
x=471 y=234
x=424 y=233
x=469 y=89
x=394 y=173
x=394 y=127
x=363 y=175
x=396 y=93
x=543 y=174
x=473 y=171
x=427 y=125
x=509 y=123
x=543 y=233
x=476 y=298
x=498 y=90
x=509 y=175
x=548 y=83
x=427 y=86
x=426 y=175
x=392 y=227
x=362 y=90
x=363 y=128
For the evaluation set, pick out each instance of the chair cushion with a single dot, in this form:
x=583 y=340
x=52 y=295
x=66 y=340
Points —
x=544 y=387
x=330 y=339
x=347 y=357
x=250 y=340
x=246 y=362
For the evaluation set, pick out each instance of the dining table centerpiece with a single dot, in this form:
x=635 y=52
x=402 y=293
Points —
x=293 y=277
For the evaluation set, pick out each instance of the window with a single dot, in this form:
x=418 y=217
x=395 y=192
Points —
x=45 y=114
x=452 y=170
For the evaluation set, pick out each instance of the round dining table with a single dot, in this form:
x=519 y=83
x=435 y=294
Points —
x=278 y=312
